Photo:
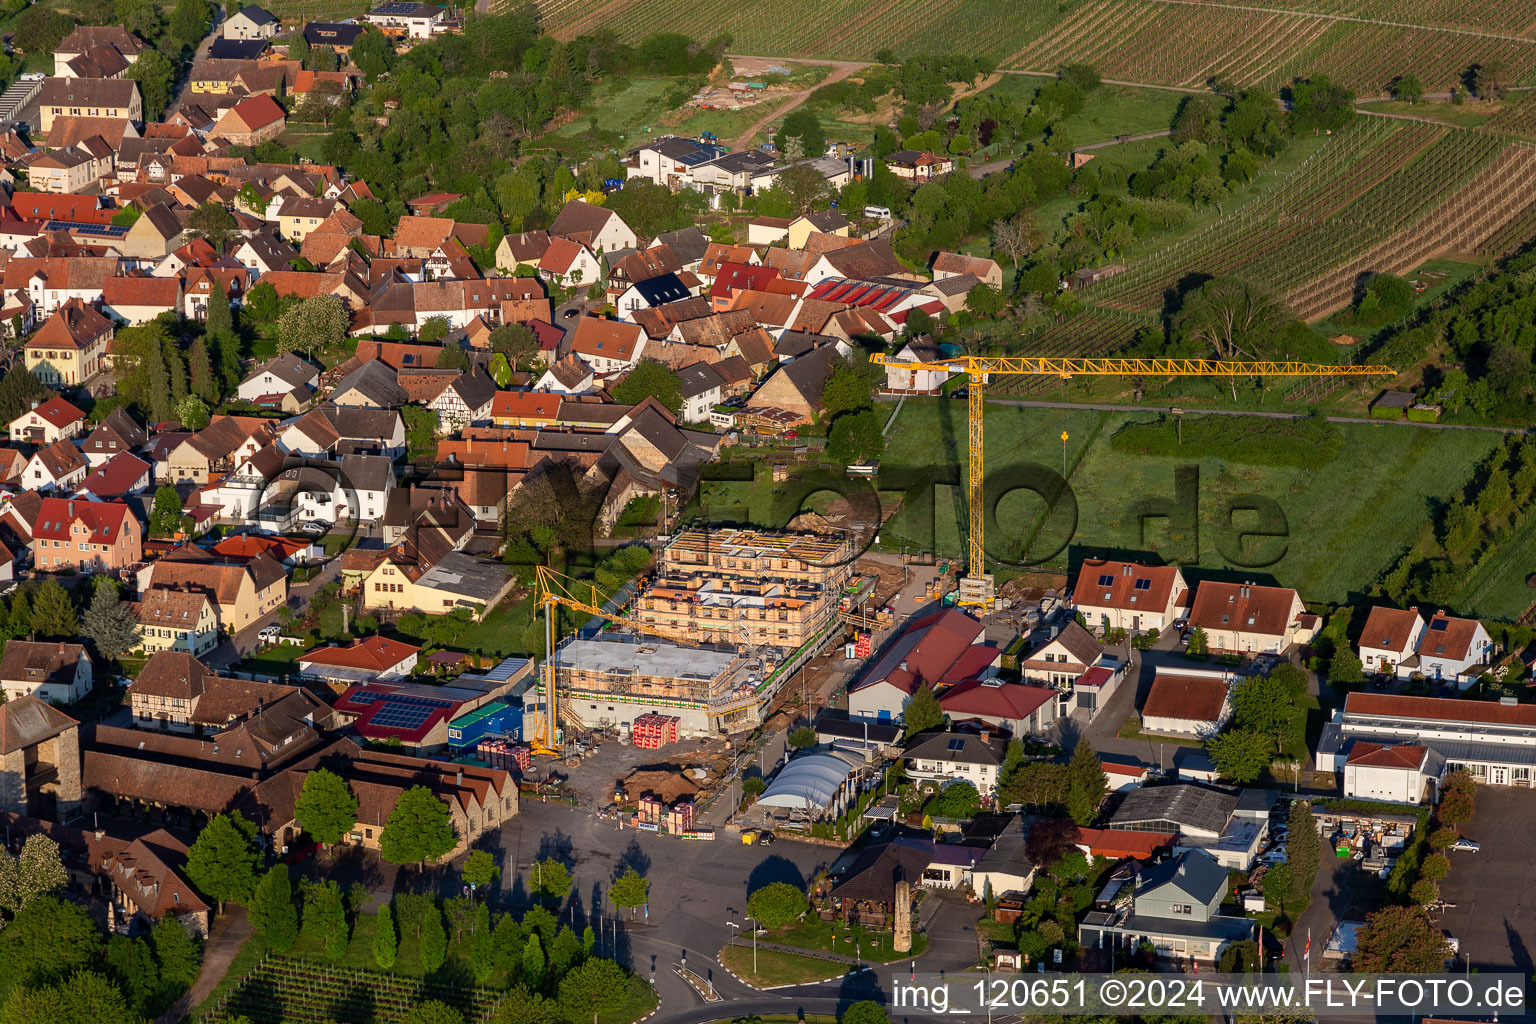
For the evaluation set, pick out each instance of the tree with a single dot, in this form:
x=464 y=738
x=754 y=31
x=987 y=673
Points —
x=865 y=1011
x=178 y=956
x=451 y=357
x=317 y=323
x=131 y=963
x=434 y=939
x=273 y=913
x=200 y=375
x=53 y=613
x=1406 y=88
x=650 y=379
x=325 y=917
x=856 y=437
x=850 y=387
x=922 y=712
x=433 y=330
x=1435 y=867
x=1319 y=105
x=165 y=515
x=36 y=873
x=189 y=23
x=802 y=737
x=385 y=943
x=1344 y=667
x=1487 y=80
x=432 y=1011
x=40 y=28
x=776 y=904
x=1279 y=885
x=515 y=341
x=1231 y=317
x=1456 y=808
x=507 y=945
x=326 y=807
x=533 y=961
x=1086 y=786
x=419 y=829
x=482 y=950
x=631 y=889
x=549 y=880
x=373 y=53
x=214 y=223
x=1304 y=850
x=109 y=623
x=48 y=940
x=1266 y=706
x=984 y=300
x=192 y=412
x=156 y=75
x=222 y=861
x=1197 y=644
x=1018 y=236
x=595 y=986
x=803 y=188
x=955 y=800
x=85 y=998
x=480 y=869
x=1240 y=755
x=804 y=126
x=1400 y=940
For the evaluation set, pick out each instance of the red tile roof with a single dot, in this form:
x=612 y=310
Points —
x=1380 y=755
x=103 y=518
x=1150 y=585
x=59 y=412
x=1005 y=700
x=1192 y=698
x=525 y=405
x=1118 y=844
x=740 y=275
x=115 y=477
x=1389 y=629
x=1243 y=607
x=375 y=653
x=1440 y=709
x=1446 y=637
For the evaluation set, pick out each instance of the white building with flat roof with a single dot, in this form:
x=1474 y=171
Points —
x=1495 y=743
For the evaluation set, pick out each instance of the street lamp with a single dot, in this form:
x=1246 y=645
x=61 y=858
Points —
x=754 y=943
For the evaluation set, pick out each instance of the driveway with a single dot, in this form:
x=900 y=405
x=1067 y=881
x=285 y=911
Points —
x=1495 y=911
x=234 y=649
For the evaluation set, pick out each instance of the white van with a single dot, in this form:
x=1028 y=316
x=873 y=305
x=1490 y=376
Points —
x=878 y=212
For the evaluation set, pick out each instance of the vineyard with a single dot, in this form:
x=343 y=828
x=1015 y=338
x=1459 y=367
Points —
x=1382 y=197
x=280 y=990
x=850 y=30
x=1094 y=332
x=1515 y=117
x=1166 y=42
x=1513 y=17
x=1185 y=44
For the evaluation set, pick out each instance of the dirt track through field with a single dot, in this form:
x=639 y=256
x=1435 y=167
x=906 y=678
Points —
x=841 y=69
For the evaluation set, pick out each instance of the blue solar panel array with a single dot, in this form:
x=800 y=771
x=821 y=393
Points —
x=105 y=230
x=401 y=711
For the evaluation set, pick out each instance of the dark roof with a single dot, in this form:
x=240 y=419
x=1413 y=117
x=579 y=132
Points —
x=687 y=244
x=1194 y=873
x=1183 y=804
x=259 y=15
x=324 y=33
x=959 y=747
x=377 y=382
x=660 y=290
x=874 y=873
x=699 y=378
x=237 y=49
x=27 y=721
x=836 y=722
x=289 y=368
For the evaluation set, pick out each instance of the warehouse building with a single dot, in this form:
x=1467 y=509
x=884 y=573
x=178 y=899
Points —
x=1387 y=746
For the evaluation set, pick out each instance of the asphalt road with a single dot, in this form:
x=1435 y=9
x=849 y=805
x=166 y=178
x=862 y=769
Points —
x=1495 y=913
x=696 y=887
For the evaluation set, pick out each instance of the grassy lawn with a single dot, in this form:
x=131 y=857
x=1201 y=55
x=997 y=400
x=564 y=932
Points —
x=1496 y=585
x=775 y=967
x=501 y=632
x=1380 y=485
x=623 y=105
x=814 y=933
x=1462 y=115
x=1115 y=110
x=276 y=660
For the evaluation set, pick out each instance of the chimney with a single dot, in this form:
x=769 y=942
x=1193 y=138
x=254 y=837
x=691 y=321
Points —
x=903 y=664
x=1183 y=868
x=986 y=735
x=36 y=402
x=460 y=779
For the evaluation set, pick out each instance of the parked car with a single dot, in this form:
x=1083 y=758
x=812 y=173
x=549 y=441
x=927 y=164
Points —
x=267 y=633
x=1466 y=846
x=1275 y=856
x=317 y=529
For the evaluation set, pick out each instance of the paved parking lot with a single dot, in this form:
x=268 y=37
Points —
x=1495 y=912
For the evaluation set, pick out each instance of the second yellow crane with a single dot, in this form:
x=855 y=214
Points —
x=976 y=588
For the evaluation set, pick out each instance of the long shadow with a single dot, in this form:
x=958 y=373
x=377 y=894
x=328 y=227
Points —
x=558 y=846
x=634 y=856
x=857 y=987
x=258 y=1000
x=1518 y=951
x=356 y=1006
x=775 y=869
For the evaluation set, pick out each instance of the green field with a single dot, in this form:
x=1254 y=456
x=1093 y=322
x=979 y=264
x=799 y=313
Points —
x=1346 y=521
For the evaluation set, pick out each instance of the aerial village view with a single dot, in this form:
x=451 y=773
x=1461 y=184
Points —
x=643 y=510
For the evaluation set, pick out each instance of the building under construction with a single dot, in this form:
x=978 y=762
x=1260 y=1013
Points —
x=612 y=679
x=747 y=587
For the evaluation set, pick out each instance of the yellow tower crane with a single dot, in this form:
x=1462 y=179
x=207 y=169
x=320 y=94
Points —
x=976 y=587
x=556 y=589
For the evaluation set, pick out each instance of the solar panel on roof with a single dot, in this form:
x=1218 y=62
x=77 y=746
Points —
x=1143 y=584
x=1106 y=580
x=1438 y=624
x=957 y=744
